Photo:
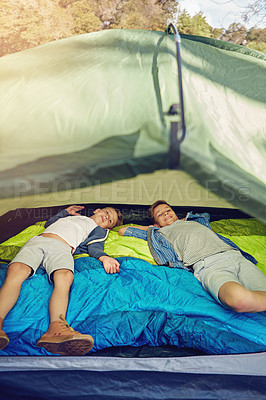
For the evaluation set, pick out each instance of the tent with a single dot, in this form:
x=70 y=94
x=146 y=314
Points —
x=86 y=120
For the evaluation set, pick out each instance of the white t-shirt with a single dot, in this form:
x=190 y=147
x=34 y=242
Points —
x=73 y=229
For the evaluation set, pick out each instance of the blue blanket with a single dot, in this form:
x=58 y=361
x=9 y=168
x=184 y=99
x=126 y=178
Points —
x=142 y=305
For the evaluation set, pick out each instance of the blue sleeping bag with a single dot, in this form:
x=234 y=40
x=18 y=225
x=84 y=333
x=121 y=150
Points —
x=142 y=305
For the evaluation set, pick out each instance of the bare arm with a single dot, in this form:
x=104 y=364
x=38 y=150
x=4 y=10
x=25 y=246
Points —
x=111 y=265
x=121 y=231
x=73 y=210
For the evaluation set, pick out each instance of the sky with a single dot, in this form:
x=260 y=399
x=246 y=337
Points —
x=219 y=13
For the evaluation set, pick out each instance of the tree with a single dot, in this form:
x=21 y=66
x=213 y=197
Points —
x=196 y=25
x=167 y=6
x=142 y=14
x=236 y=33
x=184 y=23
x=27 y=24
x=83 y=18
x=259 y=46
x=257 y=35
x=256 y=39
x=200 y=25
x=108 y=12
x=254 y=8
x=217 y=33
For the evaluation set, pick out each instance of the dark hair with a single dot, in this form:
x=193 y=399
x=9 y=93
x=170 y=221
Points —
x=119 y=217
x=153 y=206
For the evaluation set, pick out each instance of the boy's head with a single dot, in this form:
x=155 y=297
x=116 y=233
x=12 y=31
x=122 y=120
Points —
x=162 y=214
x=108 y=217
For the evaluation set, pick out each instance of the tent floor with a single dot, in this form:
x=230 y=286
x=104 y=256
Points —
x=115 y=385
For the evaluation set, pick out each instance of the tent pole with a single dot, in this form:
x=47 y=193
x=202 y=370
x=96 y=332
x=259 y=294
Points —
x=174 y=140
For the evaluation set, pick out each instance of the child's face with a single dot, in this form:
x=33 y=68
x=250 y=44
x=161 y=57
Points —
x=164 y=215
x=105 y=217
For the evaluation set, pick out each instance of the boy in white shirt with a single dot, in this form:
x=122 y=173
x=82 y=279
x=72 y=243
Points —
x=53 y=250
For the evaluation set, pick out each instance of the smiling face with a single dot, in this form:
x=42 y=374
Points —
x=164 y=215
x=106 y=218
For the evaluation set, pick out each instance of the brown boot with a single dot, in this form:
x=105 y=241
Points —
x=62 y=339
x=3 y=336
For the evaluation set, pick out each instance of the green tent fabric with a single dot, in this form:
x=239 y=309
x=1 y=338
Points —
x=74 y=93
x=94 y=108
x=226 y=119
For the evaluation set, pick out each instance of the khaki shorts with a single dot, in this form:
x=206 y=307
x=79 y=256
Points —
x=229 y=266
x=47 y=253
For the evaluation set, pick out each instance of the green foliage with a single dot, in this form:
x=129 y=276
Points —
x=184 y=24
x=196 y=25
x=236 y=33
x=255 y=38
x=259 y=46
x=142 y=14
x=217 y=33
x=83 y=18
x=257 y=34
x=28 y=23
x=200 y=25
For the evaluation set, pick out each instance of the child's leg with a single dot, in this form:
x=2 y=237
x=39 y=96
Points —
x=60 y=338
x=63 y=279
x=241 y=299
x=16 y=274
x=234 y=281
x=9 y=292
x=4 y=340
x=248 y=294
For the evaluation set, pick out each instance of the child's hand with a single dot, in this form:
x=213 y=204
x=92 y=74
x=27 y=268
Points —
x=73 y=210
x=111 y=265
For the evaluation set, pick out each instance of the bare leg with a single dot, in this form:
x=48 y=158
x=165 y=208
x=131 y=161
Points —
x=9 y=292
x=241 y=299
x=60 y=338
x=63 y=279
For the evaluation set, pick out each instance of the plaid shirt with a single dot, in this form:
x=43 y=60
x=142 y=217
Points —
x=164 y=253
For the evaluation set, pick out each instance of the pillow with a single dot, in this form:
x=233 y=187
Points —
x=125 y=246
x=239 y=227
x=248 y=234
x=115 y=245
x=11 y=247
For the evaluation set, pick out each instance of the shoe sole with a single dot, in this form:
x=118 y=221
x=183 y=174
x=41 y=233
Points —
x=68 y=347
x=3 y=342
